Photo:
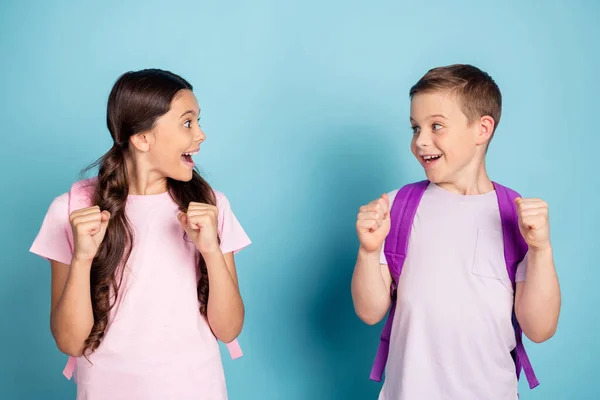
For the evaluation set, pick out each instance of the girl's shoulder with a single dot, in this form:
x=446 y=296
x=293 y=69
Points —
x=59 y=207
x=222 y=200
x=80 y=194
x=219 y=195
x=83 y=186
x=75 y=197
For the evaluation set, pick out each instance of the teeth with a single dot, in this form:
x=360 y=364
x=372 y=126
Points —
x=190 y=154
x=431 y=157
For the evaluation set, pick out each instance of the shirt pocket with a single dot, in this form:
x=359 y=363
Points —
x=489 y=254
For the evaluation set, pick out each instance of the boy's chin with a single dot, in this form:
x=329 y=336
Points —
x=434 y=177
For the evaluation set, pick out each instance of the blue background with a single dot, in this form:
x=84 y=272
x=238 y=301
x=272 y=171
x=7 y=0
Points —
x=305 y=107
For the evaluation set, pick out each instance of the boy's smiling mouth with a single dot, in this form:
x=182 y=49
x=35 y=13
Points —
x=430 y=159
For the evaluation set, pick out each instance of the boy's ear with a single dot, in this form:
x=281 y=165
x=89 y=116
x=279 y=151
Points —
x=485 y=129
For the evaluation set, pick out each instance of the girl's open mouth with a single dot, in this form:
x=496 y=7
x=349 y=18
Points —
x=186 y=158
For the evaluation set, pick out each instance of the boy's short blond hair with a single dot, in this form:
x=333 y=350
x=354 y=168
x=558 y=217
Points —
x=476 y=91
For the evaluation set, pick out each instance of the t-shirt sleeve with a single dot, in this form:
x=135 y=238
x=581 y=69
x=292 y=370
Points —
x=521 y=270
x=232 y=235
x=52 y=241
x=382 y=259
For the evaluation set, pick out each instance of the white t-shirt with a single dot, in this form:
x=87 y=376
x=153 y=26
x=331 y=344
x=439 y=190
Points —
x=452 y=333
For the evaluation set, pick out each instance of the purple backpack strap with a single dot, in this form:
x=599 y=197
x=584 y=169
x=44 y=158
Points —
x=515 y=249
x=80 y=196
x=402 y=216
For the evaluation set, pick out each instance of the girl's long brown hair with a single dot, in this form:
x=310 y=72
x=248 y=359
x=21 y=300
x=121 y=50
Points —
x=136 y=101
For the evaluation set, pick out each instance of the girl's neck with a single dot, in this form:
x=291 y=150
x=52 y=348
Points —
x=142 y=180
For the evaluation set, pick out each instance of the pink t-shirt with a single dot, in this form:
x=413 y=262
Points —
x=452 y=333
x=157 y=345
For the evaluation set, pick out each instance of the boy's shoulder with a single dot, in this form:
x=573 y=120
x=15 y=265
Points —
x=423 y=185
x=392 y=195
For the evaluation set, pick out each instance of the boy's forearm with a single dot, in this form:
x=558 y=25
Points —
x=370 y=293
x=72 y=318
x=225 y=309
x=539 y=305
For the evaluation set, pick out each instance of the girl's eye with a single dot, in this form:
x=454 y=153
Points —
x=436 y=127
x=187 y=123
x=199 y=122
x=415 y=129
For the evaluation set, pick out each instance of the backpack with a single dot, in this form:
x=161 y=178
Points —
x=402 y=216
x=80 y=197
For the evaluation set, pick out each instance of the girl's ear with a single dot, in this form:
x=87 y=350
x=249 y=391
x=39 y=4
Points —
x=142 y=141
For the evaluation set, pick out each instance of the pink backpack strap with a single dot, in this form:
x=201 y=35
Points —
x=80 y=196
x=70 y=368
x=235 y=351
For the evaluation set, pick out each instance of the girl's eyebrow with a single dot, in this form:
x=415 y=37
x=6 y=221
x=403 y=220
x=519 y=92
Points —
x=189 y=112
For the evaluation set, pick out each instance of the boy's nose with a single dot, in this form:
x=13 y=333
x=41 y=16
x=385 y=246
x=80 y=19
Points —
x=423 y=140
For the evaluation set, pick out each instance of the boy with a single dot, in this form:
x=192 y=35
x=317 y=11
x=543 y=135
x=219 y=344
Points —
x=452 y=334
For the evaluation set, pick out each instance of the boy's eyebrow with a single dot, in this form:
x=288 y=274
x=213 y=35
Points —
x=437 y=116
x=430 y=117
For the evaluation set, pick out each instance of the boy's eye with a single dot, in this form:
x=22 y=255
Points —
x=187 y=123
x=436 y=127
x=415 y=129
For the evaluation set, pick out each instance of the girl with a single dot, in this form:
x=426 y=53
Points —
x=130 y=297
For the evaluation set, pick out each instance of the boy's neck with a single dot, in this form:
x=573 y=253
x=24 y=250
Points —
x=470 y=182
